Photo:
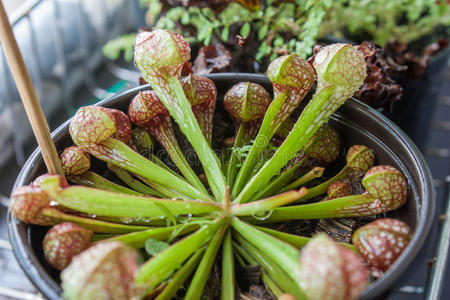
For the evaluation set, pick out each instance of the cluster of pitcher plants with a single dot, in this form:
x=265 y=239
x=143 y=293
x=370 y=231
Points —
x=194 y=221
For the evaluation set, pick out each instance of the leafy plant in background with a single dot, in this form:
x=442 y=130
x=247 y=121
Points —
x=383 y=21
x=244 y=35
x=123 y=43
x=278 y=27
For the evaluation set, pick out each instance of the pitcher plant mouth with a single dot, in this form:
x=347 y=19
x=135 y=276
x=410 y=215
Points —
x=179 y=223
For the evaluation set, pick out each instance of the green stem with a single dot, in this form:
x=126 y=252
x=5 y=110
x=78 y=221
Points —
x=280 y=181
x=323 y=187
x=203 y=124
x=181 y=276
x=262 y=206
x=92 y=224
x=201 y=275
x=135 y=184
x=234 y=160
x=273 y=270
x=119 y=154
x=149 y=222
x=315 y=172
x=153 y=158
x=165 y=191
x=92 y=179
x=102 y=236
x=241 y=252
x=228 y=280
x=169 y=142
x=295 y=240
x=318 y=189
x=238 y=256
x=173 y=98
x=273 y=287
x=109 y=204
x=315 y=114
x=281 y=252
x=137 y=239
x=350 y=206
x=271 y=122
x=166 y=262
x=266 y=278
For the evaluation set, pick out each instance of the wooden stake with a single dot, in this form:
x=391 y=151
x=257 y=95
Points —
x=28 y=94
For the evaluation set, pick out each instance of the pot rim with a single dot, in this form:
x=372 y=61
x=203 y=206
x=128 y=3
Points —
x=47 y=286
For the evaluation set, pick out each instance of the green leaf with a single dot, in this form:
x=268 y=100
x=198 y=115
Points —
x=97 y=226
x=201 y=275
x=264 y=206
x=273 y=56
x=167 y=213
x=153 y=246
x=285 y=255
x=185 y=18
x=266 y=132
x=181 y=276
x=137 y=239
x=281 y=157
x=202 y=33
x=162 y=265
x=110 y=204
x=225 y=33
x=262 y=32
x=263 y=50
x=208 y=36
x=92 y=179
x=278 y=42
x=228 y=272
x=124 y=43
x=153 y=11
x=270 y=266
x=192 y=131
x=130 y=160
x=245 y=29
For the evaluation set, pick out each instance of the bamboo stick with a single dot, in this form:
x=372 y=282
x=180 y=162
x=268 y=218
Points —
x=28 y=95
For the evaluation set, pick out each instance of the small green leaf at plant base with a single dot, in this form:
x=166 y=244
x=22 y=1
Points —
x=153 y=246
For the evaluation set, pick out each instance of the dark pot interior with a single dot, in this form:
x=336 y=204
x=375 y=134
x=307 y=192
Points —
x=356 y=122
x=414 y=112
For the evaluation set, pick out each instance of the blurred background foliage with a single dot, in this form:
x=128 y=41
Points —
x=263 y=30
x=404 y=21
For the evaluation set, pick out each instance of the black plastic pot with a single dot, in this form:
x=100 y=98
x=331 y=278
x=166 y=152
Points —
x=357 y=123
